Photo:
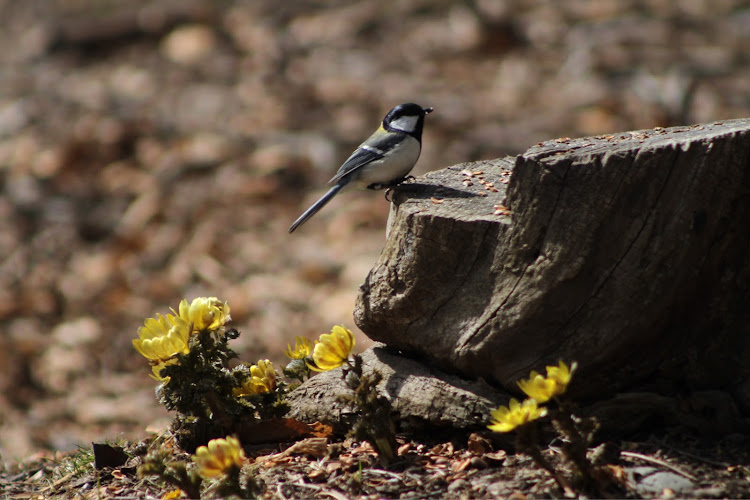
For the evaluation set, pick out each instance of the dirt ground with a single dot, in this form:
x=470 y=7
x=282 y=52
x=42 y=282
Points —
x=157 y=150
x=674 y=465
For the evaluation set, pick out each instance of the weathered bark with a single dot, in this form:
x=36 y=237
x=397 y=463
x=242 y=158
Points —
x=425 y=399
x=421 y=396
x=628 y=253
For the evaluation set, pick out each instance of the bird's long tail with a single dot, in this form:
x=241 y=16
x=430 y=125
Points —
x=316 y=206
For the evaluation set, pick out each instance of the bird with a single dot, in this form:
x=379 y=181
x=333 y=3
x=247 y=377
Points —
x=384 y=160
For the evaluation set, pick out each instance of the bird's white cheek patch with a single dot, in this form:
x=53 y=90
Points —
x=405 y=123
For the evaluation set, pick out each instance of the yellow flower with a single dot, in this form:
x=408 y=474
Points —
x=158 y=367
x=505 y=419
x=302 y=348
x=561 y=373
x=219 y=457
x=172 y=495
x=543 y=389
x=162 y=338
x=262 y=379
x=332 y=350
x=204 y=313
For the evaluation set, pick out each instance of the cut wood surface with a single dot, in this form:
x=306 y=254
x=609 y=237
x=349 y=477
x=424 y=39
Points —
x=627 y=253
x=420 y=395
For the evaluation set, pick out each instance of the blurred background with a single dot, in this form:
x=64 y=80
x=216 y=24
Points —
x=155 y=150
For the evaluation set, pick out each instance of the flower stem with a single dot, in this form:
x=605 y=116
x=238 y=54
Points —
x=526 y=442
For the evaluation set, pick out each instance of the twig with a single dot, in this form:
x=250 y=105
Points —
x=279 y=491
x=536 y=454
x=697 y=457
x=385 y=473
x=335 y=494
x=300 y=484
x=656 y=461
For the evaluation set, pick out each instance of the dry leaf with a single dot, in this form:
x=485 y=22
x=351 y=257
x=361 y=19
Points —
x=460 y=465
x=317 y=447
x=496 y=456
x=273 y=431
x=319 y=429
x=478 y=444
x=443 y=448
x=333 y=467
x=317 y=476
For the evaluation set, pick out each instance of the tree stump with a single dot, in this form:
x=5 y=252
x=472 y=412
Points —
x=421 y=396
x=627 y=253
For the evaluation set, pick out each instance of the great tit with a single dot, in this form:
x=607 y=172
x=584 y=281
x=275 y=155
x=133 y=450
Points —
x=383 y=160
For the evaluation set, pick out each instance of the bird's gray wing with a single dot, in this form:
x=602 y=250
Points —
x=371 y=150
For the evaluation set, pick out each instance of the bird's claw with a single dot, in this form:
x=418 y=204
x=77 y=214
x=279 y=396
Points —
x=395 y=184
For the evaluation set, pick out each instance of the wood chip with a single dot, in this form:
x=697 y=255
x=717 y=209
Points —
x=502 y=210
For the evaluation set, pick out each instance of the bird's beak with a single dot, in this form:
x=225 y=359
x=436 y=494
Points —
x=427 y=111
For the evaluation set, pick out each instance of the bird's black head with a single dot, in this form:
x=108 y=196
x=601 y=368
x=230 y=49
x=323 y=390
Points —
x=408 y=118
